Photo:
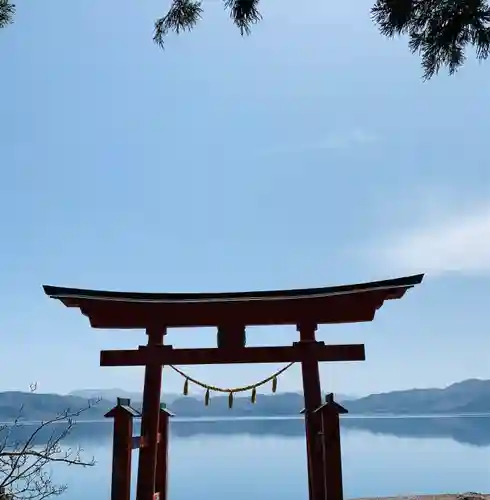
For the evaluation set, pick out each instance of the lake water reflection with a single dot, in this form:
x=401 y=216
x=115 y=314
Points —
x=266 y=458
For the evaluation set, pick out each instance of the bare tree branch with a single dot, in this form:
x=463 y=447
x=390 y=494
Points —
x=24 y=463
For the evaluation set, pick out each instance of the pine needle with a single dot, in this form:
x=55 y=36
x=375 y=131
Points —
x=439 y=30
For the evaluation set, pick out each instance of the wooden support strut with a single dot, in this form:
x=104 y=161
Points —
x=161 y=480
x=123 y=415
x=145 y=488
x=331 y=449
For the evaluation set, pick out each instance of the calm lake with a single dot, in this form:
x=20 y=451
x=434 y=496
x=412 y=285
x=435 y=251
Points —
x=266 y=458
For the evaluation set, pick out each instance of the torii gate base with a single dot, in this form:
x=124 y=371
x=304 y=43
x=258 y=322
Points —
x=328 y=440
x=231 y=313
x=124 y=443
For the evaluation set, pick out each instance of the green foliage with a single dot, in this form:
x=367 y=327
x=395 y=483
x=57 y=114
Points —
x=244 y=14
x=183 y=15
x=439 y=30
x=7 y=11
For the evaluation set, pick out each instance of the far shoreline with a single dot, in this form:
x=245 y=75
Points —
x=359 y=416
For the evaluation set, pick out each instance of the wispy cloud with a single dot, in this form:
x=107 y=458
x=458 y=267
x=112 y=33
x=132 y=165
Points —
x=334 y=141
x=357 y=137
x=453 y=241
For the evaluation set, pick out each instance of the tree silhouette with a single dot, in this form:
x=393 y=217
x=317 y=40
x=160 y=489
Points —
x=440 y=31
x=7 y=11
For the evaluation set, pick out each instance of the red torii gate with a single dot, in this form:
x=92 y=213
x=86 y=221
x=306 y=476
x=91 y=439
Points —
x=231 y=313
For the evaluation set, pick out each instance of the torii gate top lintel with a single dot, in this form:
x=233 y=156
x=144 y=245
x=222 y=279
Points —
x=337 y=304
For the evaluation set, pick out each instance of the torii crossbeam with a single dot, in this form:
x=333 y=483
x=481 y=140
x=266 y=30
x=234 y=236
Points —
x=231 y=313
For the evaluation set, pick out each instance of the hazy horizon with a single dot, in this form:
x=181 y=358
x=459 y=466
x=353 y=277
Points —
x=197 y=392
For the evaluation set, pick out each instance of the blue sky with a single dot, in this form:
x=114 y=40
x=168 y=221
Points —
x=308 y=154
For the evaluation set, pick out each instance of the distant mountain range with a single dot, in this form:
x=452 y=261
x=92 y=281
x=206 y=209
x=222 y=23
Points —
x=113 y=394
x=136 y=397
x=469 y=396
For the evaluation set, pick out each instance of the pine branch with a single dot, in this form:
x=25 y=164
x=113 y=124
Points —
x=244 y=14
x=439 y=30
x=7 y=12
x=183 y=15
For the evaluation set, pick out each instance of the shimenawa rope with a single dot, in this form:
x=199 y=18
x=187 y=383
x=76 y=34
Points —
x=230 y=392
